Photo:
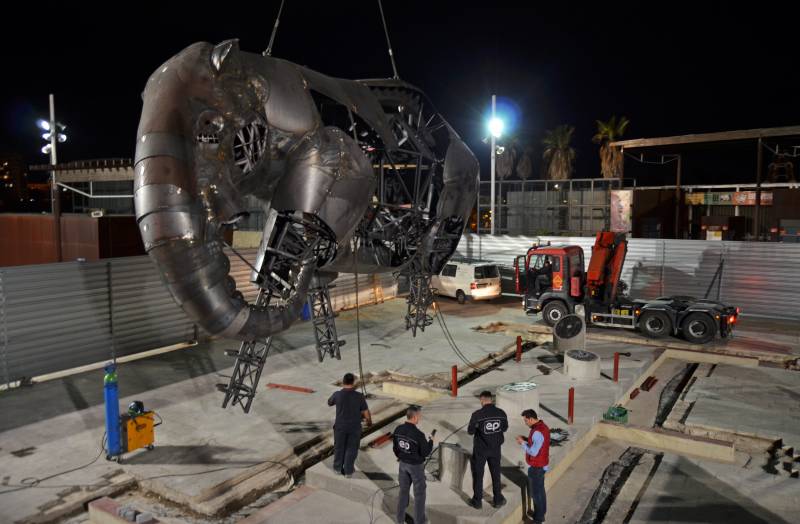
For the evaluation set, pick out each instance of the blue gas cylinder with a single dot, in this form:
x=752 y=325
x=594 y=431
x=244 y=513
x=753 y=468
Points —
x=111 y=397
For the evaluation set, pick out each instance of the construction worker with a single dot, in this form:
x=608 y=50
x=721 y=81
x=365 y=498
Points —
x=537 y=454
x=487 y=426
x=351 y=408
x=411 y=449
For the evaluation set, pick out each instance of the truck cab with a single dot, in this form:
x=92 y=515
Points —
x=597 y=288
x=565 y=289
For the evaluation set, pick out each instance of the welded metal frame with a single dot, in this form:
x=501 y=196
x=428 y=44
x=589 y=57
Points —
x=250 y=360
x=419 y=299
x=219 y=124
x=324 y=323
x=294 y=241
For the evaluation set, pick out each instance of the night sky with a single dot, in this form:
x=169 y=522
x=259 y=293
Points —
x=686 y=68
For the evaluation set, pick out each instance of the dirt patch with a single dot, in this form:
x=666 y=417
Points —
x=493 y=327
x=433 y=380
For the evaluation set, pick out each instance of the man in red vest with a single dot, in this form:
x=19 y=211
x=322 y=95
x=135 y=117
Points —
x=537 y=454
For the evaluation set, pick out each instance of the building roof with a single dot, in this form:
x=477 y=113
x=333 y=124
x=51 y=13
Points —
x=723 y=136
x=99 y=170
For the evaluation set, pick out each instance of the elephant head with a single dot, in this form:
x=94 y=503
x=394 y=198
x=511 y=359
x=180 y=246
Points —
x=205 y=139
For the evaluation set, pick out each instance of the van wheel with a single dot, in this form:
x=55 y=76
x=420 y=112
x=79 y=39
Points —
x=698 y=328
x=655 y=324
x=553 y=312
x=461 y=297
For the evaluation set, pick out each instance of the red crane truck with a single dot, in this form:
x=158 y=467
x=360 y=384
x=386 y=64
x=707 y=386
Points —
x=598 y=289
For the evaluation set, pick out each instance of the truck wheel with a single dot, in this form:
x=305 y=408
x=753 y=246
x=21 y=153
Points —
x=461 y=297
x=699 y=328
x=655 y=324
x=553 y=312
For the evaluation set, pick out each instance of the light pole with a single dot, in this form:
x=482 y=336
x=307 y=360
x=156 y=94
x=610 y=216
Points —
x=495 y=130
x=53 y=135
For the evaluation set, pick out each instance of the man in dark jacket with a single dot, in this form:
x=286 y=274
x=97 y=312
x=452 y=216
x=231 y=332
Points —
x=411 y=449
x=351 y=407
x=487 y=426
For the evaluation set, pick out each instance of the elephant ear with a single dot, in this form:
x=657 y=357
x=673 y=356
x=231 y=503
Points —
x=225 y=55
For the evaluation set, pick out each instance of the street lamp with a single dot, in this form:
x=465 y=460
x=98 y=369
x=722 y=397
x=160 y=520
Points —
x=53 y=135
x=496 y=126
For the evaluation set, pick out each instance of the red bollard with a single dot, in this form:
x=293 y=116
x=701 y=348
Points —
x=518 y=356
x=616 y=367
x=571 y=408
x=454 y=382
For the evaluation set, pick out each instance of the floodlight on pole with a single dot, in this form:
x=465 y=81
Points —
x=53 y=136
x=496 y=126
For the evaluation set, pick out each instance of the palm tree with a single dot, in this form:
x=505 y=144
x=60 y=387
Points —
x=506 y=161
x=610 y=157
x=558 y=153
x=525 y=163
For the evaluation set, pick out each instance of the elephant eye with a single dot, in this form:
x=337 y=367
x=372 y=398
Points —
x=249 y=145
x=209 y=126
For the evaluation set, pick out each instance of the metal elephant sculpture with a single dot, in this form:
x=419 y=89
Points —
x=353 y=175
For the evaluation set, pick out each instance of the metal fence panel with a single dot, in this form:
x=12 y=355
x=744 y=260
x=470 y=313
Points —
x=762 y=278
x=56 y=316
x=643 y=269
x=689 y=268
x=145 y=316
x=759 y=277
x=60 y=316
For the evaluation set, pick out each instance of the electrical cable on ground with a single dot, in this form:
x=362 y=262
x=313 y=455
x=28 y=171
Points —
x=32 y=482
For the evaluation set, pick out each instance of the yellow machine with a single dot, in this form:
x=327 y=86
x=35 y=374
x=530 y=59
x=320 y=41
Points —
x=137 y=431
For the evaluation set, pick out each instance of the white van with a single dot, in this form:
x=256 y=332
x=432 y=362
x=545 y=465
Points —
x=461 y=280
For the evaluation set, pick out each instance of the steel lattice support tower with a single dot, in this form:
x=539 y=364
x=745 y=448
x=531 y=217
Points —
x=328 y=343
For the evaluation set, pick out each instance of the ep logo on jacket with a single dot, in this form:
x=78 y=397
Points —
x=404 y=445
x=492 y=426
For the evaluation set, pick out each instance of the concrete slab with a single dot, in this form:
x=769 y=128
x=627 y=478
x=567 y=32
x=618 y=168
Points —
x=299 y=506
x=666 y=440
x=782 y=349
x=568 y=497
x=688 y=491
x=202 y=450
x=374 y=487
x=449 y=416
x=58 y=425
x=761 y=402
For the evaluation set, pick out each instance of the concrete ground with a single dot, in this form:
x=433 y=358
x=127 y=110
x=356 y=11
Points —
x=378 y=468
x=684 y=491
x=59 y=425
x=202 y=451
x=760 y=401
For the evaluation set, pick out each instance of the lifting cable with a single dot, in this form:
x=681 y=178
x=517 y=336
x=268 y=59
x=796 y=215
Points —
x=358 y=322
x=268 y=52
x=450 y=340
x=388 y=42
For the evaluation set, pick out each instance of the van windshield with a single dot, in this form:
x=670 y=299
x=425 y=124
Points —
x=486 y=272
